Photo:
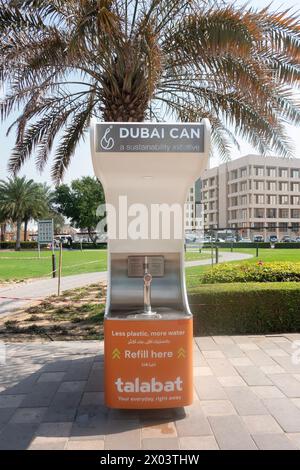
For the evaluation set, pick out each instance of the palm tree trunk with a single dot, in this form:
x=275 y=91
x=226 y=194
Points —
x=18 y=240
x=3 y=231
x=25 y=230
x=92 y=237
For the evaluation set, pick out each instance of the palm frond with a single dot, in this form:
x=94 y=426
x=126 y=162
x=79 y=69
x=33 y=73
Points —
x=63 y=61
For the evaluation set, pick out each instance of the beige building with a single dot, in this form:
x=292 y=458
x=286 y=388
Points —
x=193 y=217
x=253 y=191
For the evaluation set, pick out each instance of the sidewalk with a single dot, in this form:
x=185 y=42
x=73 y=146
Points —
x=247 y=396
x=14 y=298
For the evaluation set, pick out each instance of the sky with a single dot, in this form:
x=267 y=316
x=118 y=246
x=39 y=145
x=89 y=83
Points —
x=82 y=164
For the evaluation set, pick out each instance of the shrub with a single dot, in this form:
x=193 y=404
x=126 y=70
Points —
x=239 y=308
x=287 y=245
x=12 y=245
x=258 y=272
x=238 y=245
x=33 y=245
x=89 y=246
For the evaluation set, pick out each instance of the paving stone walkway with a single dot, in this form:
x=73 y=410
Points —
x=247 y=396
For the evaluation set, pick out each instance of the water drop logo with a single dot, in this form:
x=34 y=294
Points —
x=107 y=142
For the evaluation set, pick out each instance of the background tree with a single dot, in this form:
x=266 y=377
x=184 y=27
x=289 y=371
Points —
x=66 y=61
x=3 y=223
x=58 y=221
x=79 y=201
x=20 y=200
x=39 y=206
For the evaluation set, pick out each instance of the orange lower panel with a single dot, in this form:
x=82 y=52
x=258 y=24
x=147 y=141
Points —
x=148 y=364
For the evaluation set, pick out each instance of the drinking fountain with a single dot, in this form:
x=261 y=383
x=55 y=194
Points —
x=146 y=170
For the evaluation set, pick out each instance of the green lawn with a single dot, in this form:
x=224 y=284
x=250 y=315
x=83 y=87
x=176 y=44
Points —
x=269 y=254
x=194 y=255
x=26 y=264
x=264 y=254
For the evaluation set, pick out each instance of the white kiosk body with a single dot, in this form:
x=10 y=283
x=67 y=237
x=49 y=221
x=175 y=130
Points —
x=146 y=170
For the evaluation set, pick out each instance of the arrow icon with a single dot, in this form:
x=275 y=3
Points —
x=116 y=354
x=181 y=353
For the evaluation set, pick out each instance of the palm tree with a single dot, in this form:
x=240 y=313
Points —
x=3 y=223
x=129 y=60
x=20 y=200
x=38 y=205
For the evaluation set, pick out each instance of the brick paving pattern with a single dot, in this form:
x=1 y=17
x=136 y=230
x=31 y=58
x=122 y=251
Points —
x=246 y=389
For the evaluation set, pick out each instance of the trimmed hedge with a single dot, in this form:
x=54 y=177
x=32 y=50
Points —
x=254 y=308
x=253 y=245
x=238 y=245
x=12 y=245
x=34 y=246
x=287 y=245
x=89 y=246
x=258 y=272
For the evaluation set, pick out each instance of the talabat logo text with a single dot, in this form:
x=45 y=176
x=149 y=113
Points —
x=138 y=386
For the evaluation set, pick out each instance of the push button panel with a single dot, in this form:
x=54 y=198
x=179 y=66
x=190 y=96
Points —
x=136 y=266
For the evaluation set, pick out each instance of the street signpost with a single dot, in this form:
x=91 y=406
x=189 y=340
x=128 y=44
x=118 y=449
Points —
x=45 y=232
x=46 y=237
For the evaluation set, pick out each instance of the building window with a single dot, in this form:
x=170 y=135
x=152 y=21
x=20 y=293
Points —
x=259 y=199
x=283 y=200
x=283 y=187
x=283 y=226
x=244 y=214
x=233 y=188
x=283 y=172
x=295 y=200
x=212 y=193
x=259 y=185
x=283 y=213
x=259 y=171
x=271 y=172
x=272 y=200
x=295 y=173
x=243 y=186
x=243 y=200
x=295 y=187
x=212 y=181
x=243 y=172
x=233 y=174
x=258 y=224
x=271 y=213
x=295 y=213
x=259 y=213
x=271 y=185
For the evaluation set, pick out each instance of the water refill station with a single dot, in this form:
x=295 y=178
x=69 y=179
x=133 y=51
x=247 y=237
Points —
x=146 y=171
